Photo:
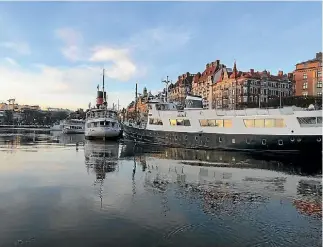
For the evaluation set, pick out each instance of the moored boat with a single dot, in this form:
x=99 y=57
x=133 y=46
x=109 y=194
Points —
x=287 y=129
x=102 y=122
x=74 y=126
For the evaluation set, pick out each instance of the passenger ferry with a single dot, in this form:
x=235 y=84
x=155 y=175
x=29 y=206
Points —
x=58 y=126
x=287 y=129
x=102 y=122
x=73 y=126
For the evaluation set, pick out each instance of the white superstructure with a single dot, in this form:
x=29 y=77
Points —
x=282 y=129
x=73 y=126
x=102 y=123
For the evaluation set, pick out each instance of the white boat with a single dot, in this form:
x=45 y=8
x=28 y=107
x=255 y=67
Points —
x=58 y=126
x=287 y=129
x=102 y=122
x=74 y=126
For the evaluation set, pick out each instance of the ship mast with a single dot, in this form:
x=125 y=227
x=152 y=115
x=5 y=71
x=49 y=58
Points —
x=104 y=98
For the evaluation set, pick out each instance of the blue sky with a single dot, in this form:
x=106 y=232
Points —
x=51 y=53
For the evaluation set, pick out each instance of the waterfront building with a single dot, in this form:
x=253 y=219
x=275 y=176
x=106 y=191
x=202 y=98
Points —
x=235 y=89
x=177 y=92
x=202 y=81
x=308 y=77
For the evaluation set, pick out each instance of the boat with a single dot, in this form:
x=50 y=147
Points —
x=285 y=129
x=102 y=122
x=57 y=126
x=74 y=126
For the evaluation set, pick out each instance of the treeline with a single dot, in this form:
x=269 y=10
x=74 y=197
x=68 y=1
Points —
x=35 y=117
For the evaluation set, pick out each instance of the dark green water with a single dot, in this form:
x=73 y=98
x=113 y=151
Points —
x=54 y=193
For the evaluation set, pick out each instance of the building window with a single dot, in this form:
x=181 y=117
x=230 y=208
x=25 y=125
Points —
x=179 y=122
x=319 y=74
x=304 y=76
x=304 y=93
x=319 y=93
x=319 y=84
x=305 y=84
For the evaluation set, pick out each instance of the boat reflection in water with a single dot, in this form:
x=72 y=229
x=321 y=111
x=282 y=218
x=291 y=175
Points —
x=226 y=179
x=101 y=158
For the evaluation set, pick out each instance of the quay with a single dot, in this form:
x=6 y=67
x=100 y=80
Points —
x=7 y=126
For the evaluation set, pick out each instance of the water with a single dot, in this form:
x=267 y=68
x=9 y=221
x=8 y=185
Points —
x=56 y=193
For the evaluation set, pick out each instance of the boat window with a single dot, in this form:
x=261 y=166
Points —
x=259 y=123
x=249 y=123
x=112 y=123
x=95 y=124
x=269 y=123
x=172 y=122
x=319 y=120
x=179 y=122
x=102 y=123
x=227 y=123
x=280 y=123
x=203 y=122
x=107 y=123
x=155 y=121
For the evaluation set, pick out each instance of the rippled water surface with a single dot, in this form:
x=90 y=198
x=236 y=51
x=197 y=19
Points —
x=58 y=190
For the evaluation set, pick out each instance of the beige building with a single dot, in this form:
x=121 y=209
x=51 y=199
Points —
x=236 y=89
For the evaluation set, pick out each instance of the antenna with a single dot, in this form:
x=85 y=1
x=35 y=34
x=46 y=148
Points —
x=166 y=82
x=104 y=99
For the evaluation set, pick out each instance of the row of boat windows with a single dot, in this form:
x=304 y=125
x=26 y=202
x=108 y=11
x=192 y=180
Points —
x=74 y=127
x=102 y=114
x=264 y=123
x=101 y=124
x=224 y=123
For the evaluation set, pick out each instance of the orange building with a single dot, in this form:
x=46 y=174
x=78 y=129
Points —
x=308 y=77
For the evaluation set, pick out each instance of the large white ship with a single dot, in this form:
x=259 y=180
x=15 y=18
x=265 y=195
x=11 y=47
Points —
x=102 y=122
x=286 y=129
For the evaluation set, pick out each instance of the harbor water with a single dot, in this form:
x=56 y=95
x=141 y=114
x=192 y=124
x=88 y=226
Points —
x=62 y=190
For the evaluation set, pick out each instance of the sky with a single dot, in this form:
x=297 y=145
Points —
x=52 y=53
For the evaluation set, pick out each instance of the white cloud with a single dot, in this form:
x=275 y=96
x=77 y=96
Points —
x=72 y=87
x=122 y=69
x=19 y=47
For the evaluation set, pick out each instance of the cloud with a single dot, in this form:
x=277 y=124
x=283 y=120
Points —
x=161 y=39
x=19 y=47
x=117 y=61
x=11 y=61
x=71 y=87
x=123 y=68
x=72 y=40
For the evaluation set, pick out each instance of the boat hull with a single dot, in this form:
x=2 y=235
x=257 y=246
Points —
x=72 y=131
x=101 y=132
x=217 y=141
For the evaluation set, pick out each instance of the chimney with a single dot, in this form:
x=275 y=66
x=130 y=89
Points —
x=252 y=71
x=280 y=73
x=319 y=55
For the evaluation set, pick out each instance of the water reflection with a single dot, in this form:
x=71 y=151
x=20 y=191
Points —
x=128 y=195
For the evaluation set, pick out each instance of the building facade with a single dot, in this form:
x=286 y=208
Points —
x=236 y=89
x=177 y=92
x=202 y=81
x=308 y=77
